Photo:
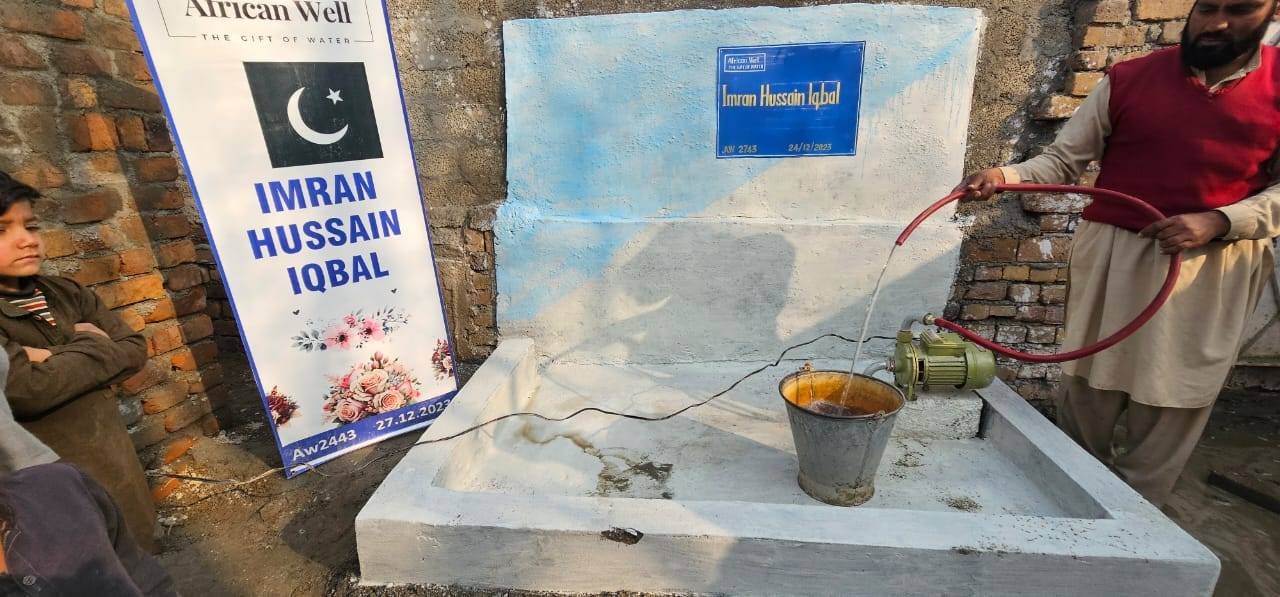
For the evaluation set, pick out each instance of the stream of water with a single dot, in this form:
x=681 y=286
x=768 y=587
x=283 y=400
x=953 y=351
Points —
x=871 y=307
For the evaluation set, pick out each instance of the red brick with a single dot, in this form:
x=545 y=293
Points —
x=1003 y=310
x=152 y=197
x=156 y=169
x=1053 y=295
x=161 y=310
x=1031 y=313
x=185 y=414
x=113 y=33
x=177 y=449
x=164 y=397
x=990 y=291
x=133 y=66
x=975 y=312
x=133 y=320
x=197 y=327
x=1118 y=57
x=167 y=226
x=1024 y=293
x=80 y=93
x=133 y=290
x=129 y=96
x=164 y=339
x=16 y=53
x=57 y=243
x=176 y=253
x=151 y=374
x=1101 y=36
x=1111 y=11
x=91 y=207
x=97 y=270
x=183 y=360
x=92 y=132
x=158 y=138
x=1055 y=314
x=1058 y=107
x=116 y=8
x=133 y=135
x=1055 y=223
x=992 y=250
x=1006 y=334
x=208 y=377
x=136 y=261
x=1016 y=273
x=987 y=273
x=1082 y=83
x=20 y=90
x=1087 y=60
x=1045 y=248
x=41 y=174
x=32 y=18
x=1133 y=35
x=1042 y=334
x=80 y=3
x=1042 y=275
x=1151 y=10
x=1172 y=32
x=209 y=425
x=83 y=60
x=185 y=276
x=206 y=353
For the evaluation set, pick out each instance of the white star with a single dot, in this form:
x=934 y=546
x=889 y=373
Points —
x=336 y=96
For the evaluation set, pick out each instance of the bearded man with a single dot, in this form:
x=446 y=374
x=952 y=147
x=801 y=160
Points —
x=1193 y=130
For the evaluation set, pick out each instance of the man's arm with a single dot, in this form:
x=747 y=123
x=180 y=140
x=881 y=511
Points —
x=133 y=347
x=89 y=361
x=1082 y=140
x=1258 y=216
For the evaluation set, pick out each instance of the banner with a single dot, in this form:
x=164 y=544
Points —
x=788 y=100
x=292 y=129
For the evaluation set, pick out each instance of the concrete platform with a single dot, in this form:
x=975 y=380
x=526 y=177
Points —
x=707 y=502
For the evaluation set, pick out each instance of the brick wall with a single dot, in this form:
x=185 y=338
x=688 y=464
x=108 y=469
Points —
x=1012 y=288
x=81 y=121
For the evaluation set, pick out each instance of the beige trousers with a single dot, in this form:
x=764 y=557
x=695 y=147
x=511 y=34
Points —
x=1158 y=442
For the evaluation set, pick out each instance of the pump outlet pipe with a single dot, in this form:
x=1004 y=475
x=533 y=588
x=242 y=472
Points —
x=1171 y=279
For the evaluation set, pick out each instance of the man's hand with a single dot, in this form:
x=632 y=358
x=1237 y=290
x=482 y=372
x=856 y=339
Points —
x=92 y=329
x=1188 y=231
x=37 y=355
x=982 y=185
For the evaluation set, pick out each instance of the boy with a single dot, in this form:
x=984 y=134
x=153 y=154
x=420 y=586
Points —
x=65 y=348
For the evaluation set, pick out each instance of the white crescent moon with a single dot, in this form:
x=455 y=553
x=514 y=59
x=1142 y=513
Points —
x=306 y=132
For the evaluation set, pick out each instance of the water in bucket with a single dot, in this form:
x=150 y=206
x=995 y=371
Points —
x=841 y=424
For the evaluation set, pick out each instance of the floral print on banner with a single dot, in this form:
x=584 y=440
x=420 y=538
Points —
x=282 y=407
x=352 y=331
x=380 y=385
x=442 y=360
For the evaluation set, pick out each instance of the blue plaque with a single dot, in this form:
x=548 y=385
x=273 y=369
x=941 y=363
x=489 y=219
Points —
x=788 y=100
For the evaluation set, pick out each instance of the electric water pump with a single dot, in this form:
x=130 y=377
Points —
x=953 y=357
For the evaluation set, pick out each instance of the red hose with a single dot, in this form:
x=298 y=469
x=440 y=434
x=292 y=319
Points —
x=1175 y=265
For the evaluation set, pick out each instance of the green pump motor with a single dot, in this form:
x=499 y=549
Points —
x=939 y=360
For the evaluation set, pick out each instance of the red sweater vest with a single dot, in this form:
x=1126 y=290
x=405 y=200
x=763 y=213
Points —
x=1181 y=148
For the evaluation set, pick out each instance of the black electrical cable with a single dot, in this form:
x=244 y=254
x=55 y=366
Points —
x=235 y=485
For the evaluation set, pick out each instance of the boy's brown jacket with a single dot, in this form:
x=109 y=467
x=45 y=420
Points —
x=65 y=400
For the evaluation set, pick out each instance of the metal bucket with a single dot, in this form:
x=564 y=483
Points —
x=839 y=436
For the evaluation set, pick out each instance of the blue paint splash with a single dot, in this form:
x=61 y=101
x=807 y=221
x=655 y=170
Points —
x=613 y=119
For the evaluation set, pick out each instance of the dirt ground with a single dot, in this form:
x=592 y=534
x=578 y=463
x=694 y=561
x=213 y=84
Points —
x=297 y=537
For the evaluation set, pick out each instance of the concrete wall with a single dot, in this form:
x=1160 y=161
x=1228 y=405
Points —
x=625 y=238
x=452 y=66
